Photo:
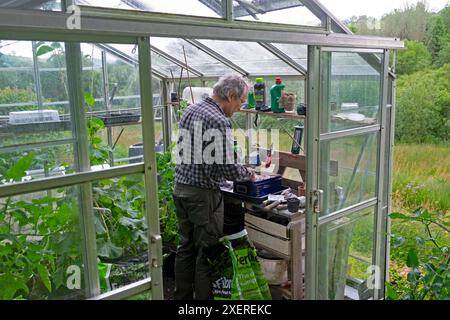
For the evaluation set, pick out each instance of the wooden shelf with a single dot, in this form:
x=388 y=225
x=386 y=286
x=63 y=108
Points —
x=286 y=115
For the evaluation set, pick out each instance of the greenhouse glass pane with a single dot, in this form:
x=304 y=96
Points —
x=41 y=246
x=115 y=108
x=345 y=256
x=17 y=83
x=203 y=8
x=23 y=120
x=26 y=163
x=297 y=52
x=354 y=86
x=251 y=57
x=348 y=171
x=45 y=228
x=121 y=229
x=166 y=67
x=282 y=11
x=53 y=75
x=196 y=58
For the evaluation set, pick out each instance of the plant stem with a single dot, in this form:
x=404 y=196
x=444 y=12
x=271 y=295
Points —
x=8 y=200
x=427 y=226
x=441 y=225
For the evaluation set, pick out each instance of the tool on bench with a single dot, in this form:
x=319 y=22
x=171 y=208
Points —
x=269 y=156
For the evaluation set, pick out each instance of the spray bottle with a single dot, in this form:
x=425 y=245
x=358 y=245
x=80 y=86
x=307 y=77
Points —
x=275 y=95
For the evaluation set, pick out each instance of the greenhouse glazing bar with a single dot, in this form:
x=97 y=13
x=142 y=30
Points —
x=126 y=291
x=151 y=183
x=312 y=147
x=69 y=180
x=349 y=132
x=37 y=77
x=82 y=163
x=381 y=215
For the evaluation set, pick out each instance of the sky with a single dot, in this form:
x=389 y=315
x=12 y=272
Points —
x=344 y=9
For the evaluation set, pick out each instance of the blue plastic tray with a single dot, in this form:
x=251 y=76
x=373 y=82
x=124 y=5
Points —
x=259 y=189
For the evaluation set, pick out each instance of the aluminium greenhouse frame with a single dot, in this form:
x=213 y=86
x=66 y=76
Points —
x=100 y=25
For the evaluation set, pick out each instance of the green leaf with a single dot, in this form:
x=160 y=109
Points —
x=412 y=260
x=398 y=241
x=108 y=250
x=90 y=101
x=391 y=294
x=99 y=227
x=43 y=274
x=413 y=277
x=397 y=215
x=43 y=50
x=10 y=285
x=129 y=222
x=17 y=171
x=56 y=45
x=97 y=123
x=420 y=241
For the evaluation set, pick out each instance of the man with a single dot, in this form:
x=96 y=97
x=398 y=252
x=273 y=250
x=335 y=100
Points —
x=197 y=196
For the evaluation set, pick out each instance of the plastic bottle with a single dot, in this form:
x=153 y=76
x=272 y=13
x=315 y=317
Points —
x=251 y=103
x=275 y=95
x=260 y=93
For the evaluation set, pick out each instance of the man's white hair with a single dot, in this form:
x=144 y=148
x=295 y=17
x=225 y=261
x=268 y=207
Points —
x=231 y=84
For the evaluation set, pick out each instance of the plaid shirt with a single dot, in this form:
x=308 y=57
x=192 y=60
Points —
x=196 y=120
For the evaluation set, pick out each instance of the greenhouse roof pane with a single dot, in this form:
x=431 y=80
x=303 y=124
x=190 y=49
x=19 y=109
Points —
x=297 y=52
x=184 y=7
x=251 y=57
x=196 y=58
x=49 y=5
x=281 y=11
x=159 y=64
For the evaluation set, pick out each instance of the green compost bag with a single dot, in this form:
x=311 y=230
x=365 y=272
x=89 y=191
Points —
x=237 y=273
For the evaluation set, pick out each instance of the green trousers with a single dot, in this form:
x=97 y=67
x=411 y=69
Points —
x=200 y=222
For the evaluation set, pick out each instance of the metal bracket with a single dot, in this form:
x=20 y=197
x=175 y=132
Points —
x=317 y=200
x=157 y=260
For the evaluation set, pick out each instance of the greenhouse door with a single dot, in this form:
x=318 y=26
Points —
x=346 y=138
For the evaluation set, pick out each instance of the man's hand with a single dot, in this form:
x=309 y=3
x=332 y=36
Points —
x=253 y=177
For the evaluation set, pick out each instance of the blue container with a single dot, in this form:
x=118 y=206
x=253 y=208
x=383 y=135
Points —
x=260 y=188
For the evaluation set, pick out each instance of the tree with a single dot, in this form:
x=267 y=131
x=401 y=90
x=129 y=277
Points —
x=363 y=25
x=437 y=38
x=445 y=14
x=444 y=55
x=416 y=57
x=422 y=113
x=408 y=23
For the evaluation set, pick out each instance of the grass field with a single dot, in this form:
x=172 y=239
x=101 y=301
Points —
x=421 y=179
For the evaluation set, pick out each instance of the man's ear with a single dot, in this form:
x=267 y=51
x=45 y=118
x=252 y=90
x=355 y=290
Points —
x=230 y=97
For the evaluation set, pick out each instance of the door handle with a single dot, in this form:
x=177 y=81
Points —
x=318 y=200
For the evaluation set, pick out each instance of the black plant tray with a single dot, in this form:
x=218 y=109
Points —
x=246 y=198
x=114 y=118
x=35 y=127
